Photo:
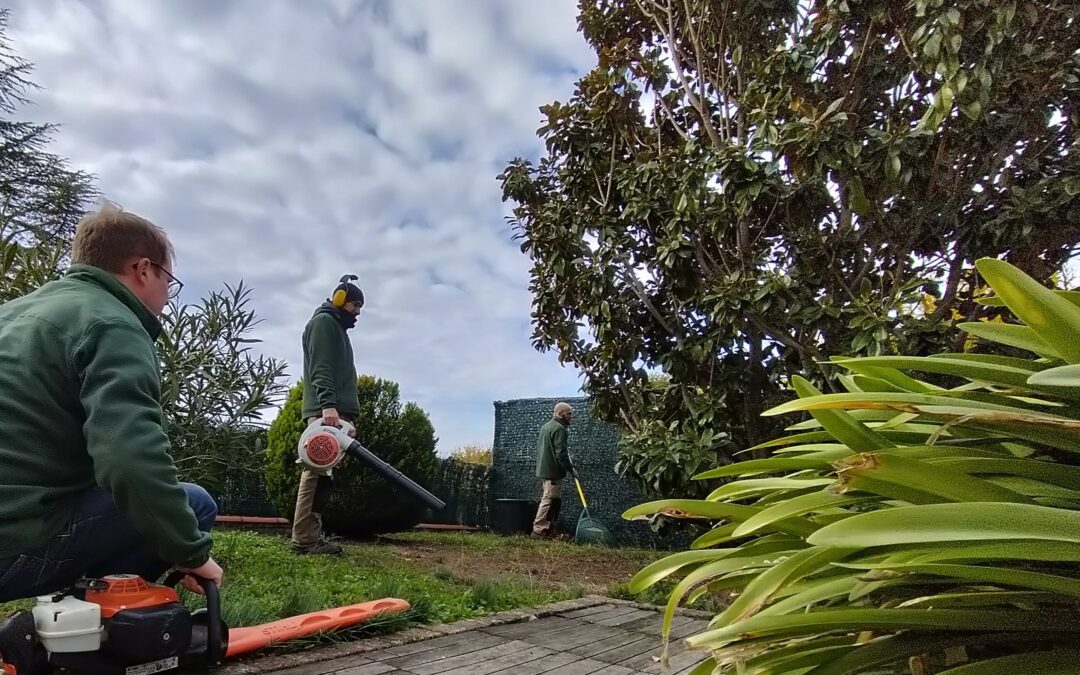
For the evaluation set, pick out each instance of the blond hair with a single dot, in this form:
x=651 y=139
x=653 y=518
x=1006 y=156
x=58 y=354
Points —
x=110 y=237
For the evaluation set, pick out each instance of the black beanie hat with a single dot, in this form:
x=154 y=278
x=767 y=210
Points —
x=354 y=294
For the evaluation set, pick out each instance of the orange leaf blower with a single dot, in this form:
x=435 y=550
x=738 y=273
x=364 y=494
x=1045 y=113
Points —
x=123 y=625
x=322 y=447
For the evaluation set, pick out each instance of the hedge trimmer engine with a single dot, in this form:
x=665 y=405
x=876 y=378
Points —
x=115 y=624
x=322 y=447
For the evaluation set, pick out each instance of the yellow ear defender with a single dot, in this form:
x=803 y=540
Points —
x=341 y=293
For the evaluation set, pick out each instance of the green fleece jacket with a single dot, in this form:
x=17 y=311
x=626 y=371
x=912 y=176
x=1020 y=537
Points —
x=329 y=371
x=552 y=454
x=80 y=406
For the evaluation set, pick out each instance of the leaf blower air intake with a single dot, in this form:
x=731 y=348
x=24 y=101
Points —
x=322 y=447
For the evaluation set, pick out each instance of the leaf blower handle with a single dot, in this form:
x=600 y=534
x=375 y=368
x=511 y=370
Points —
x=368 y=458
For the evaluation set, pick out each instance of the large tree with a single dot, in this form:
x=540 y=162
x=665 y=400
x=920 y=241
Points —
x=741 y=188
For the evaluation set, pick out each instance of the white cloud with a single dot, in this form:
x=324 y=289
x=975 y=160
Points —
x=289 y=143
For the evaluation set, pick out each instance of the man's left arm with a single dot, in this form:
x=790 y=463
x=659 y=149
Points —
x=120 y=393
x=562 y=451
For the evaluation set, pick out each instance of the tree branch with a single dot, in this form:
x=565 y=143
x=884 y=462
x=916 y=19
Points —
x=629 y=416
x=783 y=338
x=952 y=284
x=668 y=33
x=639 y=290
x=671 y=116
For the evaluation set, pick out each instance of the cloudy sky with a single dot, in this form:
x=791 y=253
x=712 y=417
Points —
x=287 y=143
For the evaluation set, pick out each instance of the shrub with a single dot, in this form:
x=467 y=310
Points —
x=214 y=388
x=661 y=453
x=473 y=454
x=362 y=502
x=907 y=525
x=465 y=487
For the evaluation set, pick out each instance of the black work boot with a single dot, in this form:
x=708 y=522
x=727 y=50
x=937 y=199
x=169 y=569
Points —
x=321 y=547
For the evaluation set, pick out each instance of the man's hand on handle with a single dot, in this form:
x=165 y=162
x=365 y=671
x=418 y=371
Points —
x=208 y=570
x=331 y=417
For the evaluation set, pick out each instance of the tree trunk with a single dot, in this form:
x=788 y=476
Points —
x=754 y=400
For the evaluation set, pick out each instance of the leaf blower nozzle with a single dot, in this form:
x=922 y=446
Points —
x=322 y=447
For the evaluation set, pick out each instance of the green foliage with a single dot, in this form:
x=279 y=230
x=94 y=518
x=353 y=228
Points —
x=473 y=454
x=282 y=472
x=465 y=488
x=213 y=387
x=922 y=518
x=740 y=190
x=362 y=502
x=661 y=453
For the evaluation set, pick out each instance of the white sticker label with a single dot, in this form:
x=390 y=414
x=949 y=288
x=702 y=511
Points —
x=154 y=666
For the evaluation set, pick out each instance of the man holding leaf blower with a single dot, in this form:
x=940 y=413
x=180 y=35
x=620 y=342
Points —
x=329 y=397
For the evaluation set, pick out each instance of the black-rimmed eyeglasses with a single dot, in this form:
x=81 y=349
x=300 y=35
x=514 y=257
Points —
x=175 y=285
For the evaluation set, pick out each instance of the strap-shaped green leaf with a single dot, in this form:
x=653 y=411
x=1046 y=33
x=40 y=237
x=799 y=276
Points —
x=1054 y=319
x=974 y=521
x=840 y=424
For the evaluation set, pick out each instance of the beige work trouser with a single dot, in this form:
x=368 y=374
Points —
x=307 y=522
x=548 y=512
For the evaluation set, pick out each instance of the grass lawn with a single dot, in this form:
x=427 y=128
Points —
x=445 y=576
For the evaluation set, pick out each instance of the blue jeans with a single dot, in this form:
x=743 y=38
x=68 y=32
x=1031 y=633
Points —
x=99 y=540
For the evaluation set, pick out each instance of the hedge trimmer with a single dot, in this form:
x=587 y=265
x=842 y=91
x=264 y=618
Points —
x=124 y=625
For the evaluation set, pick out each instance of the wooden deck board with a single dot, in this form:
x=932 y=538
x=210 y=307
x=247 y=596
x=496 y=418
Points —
x=616 y=611
x=606 y=639
x=414 y=662
x=582 y=667
x=541 y=666
x=629 y=617
x=587 y=611
x=594 y=650
x=371 y=668
x=508 y=661
x=459 y=661
x=569 y=638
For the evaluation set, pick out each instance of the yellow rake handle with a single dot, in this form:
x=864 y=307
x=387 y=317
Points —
x=580 y=493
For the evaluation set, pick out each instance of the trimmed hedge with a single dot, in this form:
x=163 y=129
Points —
x=464 y=486
x=244 y=494
x=362 y=503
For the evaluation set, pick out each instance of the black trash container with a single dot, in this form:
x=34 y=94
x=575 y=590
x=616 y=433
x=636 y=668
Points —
x=514 y=516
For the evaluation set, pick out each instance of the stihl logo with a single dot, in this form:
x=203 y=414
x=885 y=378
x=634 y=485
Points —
x=280 y=627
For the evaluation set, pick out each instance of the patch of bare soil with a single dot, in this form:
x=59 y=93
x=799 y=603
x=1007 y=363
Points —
x=552 y=565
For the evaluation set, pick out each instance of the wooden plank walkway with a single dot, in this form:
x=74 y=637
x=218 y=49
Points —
x=606 y=639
